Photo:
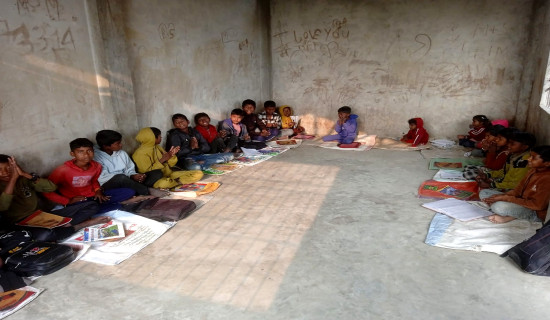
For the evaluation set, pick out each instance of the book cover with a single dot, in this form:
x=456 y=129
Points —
x=196 y=189
x=44 y=220
x=110 y=230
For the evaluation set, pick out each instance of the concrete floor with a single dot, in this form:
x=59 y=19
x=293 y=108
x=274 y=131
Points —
x=310 y=234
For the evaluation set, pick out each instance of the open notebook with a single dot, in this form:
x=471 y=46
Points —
x=458 y=209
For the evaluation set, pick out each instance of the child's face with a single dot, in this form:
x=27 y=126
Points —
x=116 y=146
x=5 y=172
x=287 y=112
x=203 y=122
x=501 y=141
x=535 y=161
x=158 y=139
x=412 y=126
x=490 y=138
x=181 y=124
x=236 y=119
x=476 y=124
x=249 y=109
x=83 y=155
x=343 y=116
x=270 y=110
x=516 y=147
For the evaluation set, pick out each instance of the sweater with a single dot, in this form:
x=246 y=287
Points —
x=419 y=135
x=73 y=181
x=183 y=140
x=227 y=125
x=208 y=134
x=514 y=170
x=348 y=129
x=252 y=122
x=24 y=200
x=148 y=154
x=117 y=163
x=533 y=192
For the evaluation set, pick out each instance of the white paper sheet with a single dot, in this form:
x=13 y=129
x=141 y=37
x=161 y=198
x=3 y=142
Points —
x=458 y=209
x=140 y=233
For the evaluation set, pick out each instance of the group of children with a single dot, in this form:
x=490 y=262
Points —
x=101 y=177
x=515 y=178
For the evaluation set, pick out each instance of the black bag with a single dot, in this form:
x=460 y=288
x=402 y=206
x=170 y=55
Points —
x=162 y=209
x=38 y=258
x=533 y=254
x=12 y=239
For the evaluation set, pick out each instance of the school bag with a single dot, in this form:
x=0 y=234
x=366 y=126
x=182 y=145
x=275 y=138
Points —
x=38 y=258
x=533 y=254
x=13 y=239
x=162 y=209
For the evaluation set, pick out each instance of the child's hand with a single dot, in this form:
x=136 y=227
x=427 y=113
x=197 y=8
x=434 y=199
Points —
x=483 y=181
x=99 y=196
x=168 y=155
x=494 y=198
x=194 y=143
x=222 y=134
x=139 y=177
x=264 y=133
x=15 y=171
x=174 y=150
x=77 y=199
x=246 y=137
x=460 y=136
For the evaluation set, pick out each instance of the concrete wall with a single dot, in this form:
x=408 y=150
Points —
x=193 y=56
x=444 y=61
x=531 y=117
x=70 y=68
x=48 y=89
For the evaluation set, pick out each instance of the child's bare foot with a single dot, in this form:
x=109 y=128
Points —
x=159 y=192
x=91 y=222
x=496 y=218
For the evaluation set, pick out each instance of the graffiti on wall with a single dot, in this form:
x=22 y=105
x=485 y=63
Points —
x=44 y=36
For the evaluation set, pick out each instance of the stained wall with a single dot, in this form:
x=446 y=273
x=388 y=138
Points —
x=444 y=61
x=69 y=68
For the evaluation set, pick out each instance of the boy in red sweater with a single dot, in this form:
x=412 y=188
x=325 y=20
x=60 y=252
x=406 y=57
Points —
x=529 y=200
x=76 y=180
x=214 y=138
x=417 y=134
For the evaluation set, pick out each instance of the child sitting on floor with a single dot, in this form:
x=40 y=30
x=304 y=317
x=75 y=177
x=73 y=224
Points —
x=271 y=120
x=118 y=170
x=417 y=135
x=529 y=200
x=214 y=138
x=289 y=127
x=237 y=135
x=150 y=156
x=515 y=168
x=19 y=199
x=77 y=180
x=480 y=124
x=254 y=126
x=495 y=145
x=193 y=147
x=346 y=127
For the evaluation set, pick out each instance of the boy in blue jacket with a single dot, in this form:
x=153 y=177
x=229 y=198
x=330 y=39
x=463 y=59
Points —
x=346 y=127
